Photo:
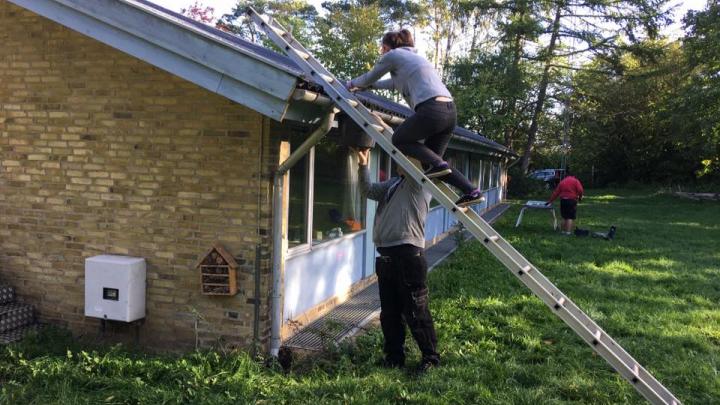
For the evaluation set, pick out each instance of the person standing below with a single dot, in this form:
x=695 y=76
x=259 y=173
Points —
x=401 y=268
x=570 y=191
x=435 y=113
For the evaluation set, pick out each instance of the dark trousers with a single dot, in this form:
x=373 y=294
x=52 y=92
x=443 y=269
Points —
x=402 y=281
x=433 y=121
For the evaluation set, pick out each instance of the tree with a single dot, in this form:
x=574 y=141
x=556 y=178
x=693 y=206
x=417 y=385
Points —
x=493 y=83
x=627 y=125
x=297 y=16
x=199 y=12
x=700 y=105
x=586 y=28
x=349 y=37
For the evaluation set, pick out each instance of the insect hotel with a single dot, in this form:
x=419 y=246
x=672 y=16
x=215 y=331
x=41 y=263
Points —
x=218 y=272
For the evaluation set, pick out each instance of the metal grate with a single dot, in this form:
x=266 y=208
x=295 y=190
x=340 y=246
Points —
x=347 y=318
x=339 y=322
x=16 y=334
x=7 y=294
x=15 y=315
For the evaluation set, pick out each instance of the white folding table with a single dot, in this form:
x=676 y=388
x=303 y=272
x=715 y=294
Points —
x=537 y=205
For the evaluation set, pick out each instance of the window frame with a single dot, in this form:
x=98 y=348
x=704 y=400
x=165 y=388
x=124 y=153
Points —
x=308 y=245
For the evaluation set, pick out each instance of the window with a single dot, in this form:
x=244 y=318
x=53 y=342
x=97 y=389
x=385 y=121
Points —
x=298 y=205
x=324 y=197
x=495 y=175
x=385 y=165
x=486 y=172
x=338 y=208
x=457 y=160
x=474 y=171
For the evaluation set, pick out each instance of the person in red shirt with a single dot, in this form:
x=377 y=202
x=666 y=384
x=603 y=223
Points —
x=570 y=191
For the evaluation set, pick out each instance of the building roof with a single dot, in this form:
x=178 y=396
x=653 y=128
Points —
x=282 y=60
x=246 y=73
x=394 y=108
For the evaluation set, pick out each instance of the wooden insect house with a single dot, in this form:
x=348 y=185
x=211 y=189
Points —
x=218 y=272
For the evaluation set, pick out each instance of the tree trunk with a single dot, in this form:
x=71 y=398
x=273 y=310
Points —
x=542 y=92
x=511 y=103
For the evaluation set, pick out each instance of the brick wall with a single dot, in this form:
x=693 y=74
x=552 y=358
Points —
x=101 y=153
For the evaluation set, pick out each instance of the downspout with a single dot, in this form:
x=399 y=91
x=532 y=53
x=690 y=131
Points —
x=279 y=237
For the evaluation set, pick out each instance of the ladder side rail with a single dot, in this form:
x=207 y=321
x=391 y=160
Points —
x=573 y=316
x=537 y=283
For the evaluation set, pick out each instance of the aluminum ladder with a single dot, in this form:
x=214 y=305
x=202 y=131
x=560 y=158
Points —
x=515 y=262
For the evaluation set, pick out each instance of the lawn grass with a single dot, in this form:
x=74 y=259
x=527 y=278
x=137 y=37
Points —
x=655 y=289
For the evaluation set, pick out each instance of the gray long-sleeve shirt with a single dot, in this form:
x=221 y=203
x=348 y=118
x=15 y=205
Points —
x=402 y=209
x=410 y=74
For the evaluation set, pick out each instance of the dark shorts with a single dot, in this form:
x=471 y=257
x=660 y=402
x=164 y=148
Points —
x=568 y=208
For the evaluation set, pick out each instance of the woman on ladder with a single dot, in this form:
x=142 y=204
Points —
x=435 y=114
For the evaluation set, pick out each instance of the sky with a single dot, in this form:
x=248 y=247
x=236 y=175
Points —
x=225 y=6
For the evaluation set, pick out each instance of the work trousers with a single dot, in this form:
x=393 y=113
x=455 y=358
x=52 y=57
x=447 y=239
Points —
x=433 y=122
x=402 y=281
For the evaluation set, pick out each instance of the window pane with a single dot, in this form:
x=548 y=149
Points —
x=384 y=165
x=495 y=174
x=487 y=167
x=297 y=209
x=338 y=207
x=474 y=172
x=456 y=160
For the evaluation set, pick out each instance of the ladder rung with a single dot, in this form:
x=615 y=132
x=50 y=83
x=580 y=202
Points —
x=352 y=103
x=377 y=127
x=636 y=373
x=278 y=31
x=301 y=54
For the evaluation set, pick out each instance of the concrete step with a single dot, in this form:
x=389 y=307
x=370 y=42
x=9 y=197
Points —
x=7 y=294
x=17 y=333
x=15 y=315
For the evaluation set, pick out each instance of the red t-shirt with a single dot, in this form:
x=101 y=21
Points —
x=569 y=188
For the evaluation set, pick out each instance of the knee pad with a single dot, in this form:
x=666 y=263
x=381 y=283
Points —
x=420 y=298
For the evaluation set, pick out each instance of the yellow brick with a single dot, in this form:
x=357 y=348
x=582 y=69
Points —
x=109 y=157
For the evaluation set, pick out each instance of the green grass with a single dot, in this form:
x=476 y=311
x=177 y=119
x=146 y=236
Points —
x=655 y=289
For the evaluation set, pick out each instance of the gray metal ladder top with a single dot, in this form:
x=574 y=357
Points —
x=515 y=262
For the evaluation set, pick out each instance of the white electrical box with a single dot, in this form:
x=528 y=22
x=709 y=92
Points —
x=115 y=287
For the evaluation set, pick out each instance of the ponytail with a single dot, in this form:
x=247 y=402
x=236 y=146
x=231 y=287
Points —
x=397 y=39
